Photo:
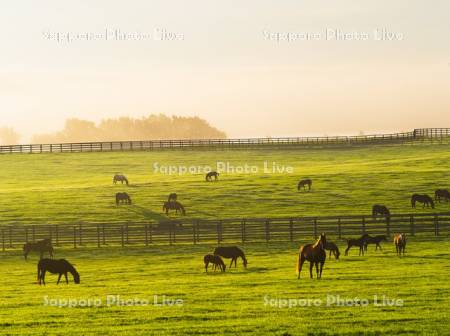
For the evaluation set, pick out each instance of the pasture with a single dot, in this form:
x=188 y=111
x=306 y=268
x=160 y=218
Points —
x=68 y=188
x=235 y=302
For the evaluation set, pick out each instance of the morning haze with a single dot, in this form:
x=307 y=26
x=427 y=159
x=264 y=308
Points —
x=233 y=66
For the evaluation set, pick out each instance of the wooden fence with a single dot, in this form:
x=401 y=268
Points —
x=418 y=135
x=224 y=231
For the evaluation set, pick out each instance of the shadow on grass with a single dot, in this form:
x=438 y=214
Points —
x=146 y=213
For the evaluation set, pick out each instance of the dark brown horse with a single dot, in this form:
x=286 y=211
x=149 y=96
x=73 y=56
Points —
x=174 y=205
x=359 y=242
x=232 y=252
x=123 y=197
x=442 y=194
x=215 y=260
x=332 y=247
x=210 y=175
x=172 y=197
x=424 y=199
x=315 y=254
x=400 y=243
x=41 y=246
x=60 y=267
x=304 y=183
x=374 y=240
x=381 y=210
x=120 y=178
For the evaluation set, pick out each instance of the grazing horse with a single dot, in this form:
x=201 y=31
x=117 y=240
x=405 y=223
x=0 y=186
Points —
x=304 y=183
x=215 y=260
x=177 y=206
x=400 y=243
x=315 y=254
x=374 y=240
x=60 y=267
x=360 y=242
x=120 y=178
x=41 y=246
x=442 y=193
x=332 y=247
x=424 y=199
x=172 y=197
x=210 y=175
x=232 y=252
x=123 y=197
x=382 y=210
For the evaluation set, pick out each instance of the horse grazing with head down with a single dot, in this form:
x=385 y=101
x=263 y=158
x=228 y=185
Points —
x=304 y=183
x=210 y=175
x=120 y=178
x=231 y=252
x=400 y=243
x=41 y=246
x=442 y=194
x=424 y=199
x=315 y=254
x=173 y=205
x=215 y=260
x=123 y=197
x=332 y=247
x=60 y=267
x=381 y=210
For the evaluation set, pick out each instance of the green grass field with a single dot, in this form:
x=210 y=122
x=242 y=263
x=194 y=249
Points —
x=67 y=188
x=236 y=302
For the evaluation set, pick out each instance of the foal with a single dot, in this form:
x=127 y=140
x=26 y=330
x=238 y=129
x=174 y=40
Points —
x=360 y=242
x=215 y=260
x=332 y=247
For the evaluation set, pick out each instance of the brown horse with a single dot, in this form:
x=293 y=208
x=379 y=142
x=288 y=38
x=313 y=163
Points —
x=41 y=246
x=332 y=247
x=177 y=206
x=424 y=199
x=232 y=252
x=60 y=267
x=215 y=260
x=315 y=254
x=304 y=183
x=442 y=194
x=120 y=178
x=123 y=197
x=374 y=240
x=210 y=175
x=360 y=242
x=400 y=243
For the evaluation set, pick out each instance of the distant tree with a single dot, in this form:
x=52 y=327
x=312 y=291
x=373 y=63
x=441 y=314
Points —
x=8 y=136
x=125 y=128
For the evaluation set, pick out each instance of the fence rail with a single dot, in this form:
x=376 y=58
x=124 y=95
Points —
x=418 y=135
x=223 y=231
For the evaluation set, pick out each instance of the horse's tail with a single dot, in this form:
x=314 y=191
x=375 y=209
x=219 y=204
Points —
x=299 y=265
x=38 y=272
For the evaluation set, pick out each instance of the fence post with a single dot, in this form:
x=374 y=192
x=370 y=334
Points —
x=98 y=235
x=436 y=225
x=80 y=234
x=363 y=224
x=10 y=237
x=103 y=234
x=150 y=233
x=243 y=231
x=291 y=230
x=219 y=232
x=57 y=235
x=74 y=237
x=267 y=227
x=411 y=224
x=26 y=235
x=388 y=227
x=339 y=228
x=126 y=232
x=122 y=236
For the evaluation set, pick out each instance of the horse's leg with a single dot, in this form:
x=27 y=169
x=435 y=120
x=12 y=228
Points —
x=317 y=269
x=206 y=267
x=330 y=254
x=25 y=255
x=67 y=280
x=321 y=268
x=302 y=260
x=231 y=264
x=43 y=276
x=347 y=249
x=311 y=264
x=59 y=278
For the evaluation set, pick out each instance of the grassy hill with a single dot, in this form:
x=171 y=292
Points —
x=66 y=188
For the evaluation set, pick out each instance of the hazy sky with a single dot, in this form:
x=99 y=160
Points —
x=223 y=63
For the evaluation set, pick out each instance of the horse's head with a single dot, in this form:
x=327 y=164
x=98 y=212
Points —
x=76 y=277
x=245 y=262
